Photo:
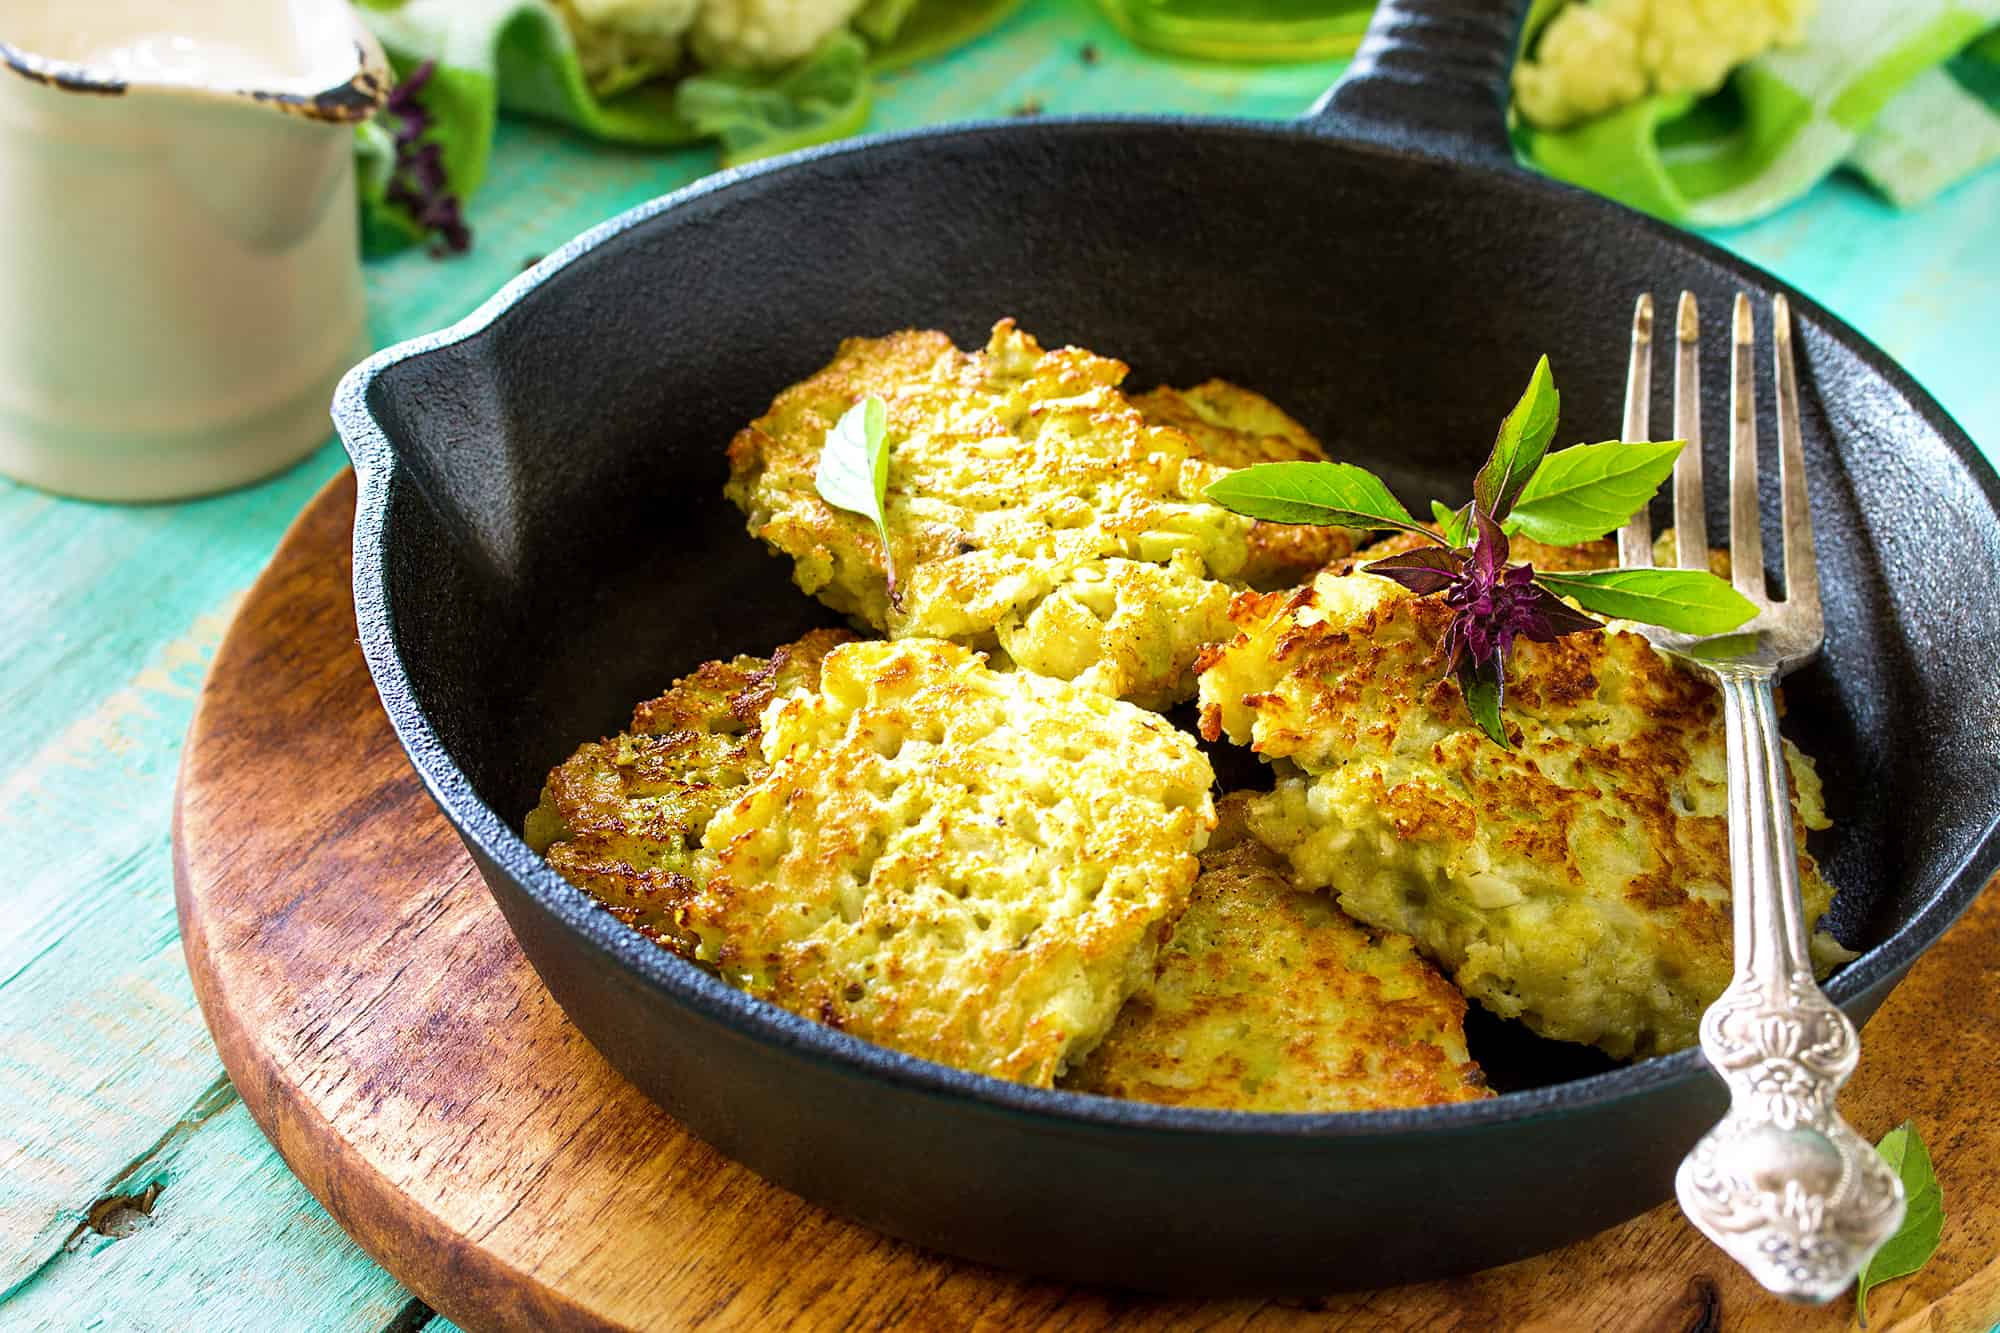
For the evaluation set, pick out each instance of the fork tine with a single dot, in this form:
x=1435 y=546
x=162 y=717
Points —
x=1801 y=560
x=1635 y=539
x=1746 y=537
x=1690 y=518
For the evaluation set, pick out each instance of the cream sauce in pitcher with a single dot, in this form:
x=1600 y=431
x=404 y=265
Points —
x=178 y=249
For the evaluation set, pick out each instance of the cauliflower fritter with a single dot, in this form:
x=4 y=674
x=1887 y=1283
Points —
x=1031 y=507
x=1596 y=56
x=971 y=866
x=1234 y=427
x=1270 y=998
x=1579 y=883
x=622 y=818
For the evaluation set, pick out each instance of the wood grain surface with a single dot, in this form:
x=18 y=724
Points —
x=389 y=1037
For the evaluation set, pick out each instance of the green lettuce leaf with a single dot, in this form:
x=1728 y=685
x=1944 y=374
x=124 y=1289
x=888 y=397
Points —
x=926 y=28
x=823 y=97
x=518 y=56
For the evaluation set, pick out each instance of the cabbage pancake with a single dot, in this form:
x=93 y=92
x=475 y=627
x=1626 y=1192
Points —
x=1270 y=998
x=1579 y=882
x=1032 y=509
x=973 y=866
x=1236 y=428
x=622 y=818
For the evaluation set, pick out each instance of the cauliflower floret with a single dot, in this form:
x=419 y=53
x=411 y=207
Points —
x=621 y=43
x=764 y=34
x=1598 y=55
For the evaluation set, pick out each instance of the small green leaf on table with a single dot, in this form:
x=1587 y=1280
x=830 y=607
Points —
x=1913 y=1244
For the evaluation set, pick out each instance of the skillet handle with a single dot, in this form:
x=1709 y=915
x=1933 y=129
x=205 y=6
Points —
x=1431 y=76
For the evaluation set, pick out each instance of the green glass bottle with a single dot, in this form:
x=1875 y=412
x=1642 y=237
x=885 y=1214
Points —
x=1250 y=30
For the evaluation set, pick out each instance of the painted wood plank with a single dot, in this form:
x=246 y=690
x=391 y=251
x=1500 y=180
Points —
x=228 y=1239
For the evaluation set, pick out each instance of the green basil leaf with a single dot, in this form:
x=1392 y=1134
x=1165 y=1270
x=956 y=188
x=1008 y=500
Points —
x=1451 y=523
x=1690 y=601
x=1914 y=1242
x=1338 y=495
x=1579 y=494
x=1517 y=451
x=1484 y=685
x=853 y=471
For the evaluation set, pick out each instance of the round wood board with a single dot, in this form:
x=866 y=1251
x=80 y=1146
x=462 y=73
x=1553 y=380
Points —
x=392 y=1041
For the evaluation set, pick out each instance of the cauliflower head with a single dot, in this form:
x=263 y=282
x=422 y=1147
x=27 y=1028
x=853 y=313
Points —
x=1596 y=56
x=622 y=43
x=764 y=34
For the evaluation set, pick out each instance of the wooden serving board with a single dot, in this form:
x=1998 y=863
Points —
x=392 y=1041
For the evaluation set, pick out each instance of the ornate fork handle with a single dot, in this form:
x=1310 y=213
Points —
x=1782 y=1183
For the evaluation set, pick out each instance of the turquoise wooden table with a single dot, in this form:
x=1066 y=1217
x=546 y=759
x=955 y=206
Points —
x=135 y=1192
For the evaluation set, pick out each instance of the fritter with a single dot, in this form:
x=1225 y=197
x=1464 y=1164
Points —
x=1579 y=882
x=972 y=866
x=1270 y=998
x=622 y=818
x=1033 y=511
x=1234 y=427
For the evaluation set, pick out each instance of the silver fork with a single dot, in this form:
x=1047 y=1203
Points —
x=1782 y=1182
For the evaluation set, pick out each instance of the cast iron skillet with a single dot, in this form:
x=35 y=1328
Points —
x=540 y=541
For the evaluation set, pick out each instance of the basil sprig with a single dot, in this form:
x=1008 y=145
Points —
x=1914 y=1242
x=1565 y=498
x=853 y=472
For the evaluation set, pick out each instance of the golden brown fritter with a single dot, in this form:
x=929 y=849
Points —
x=622 y=818
x=1234 y=427
x=1270 y=998
x=1579 y=883
x=972 y=866
x=1031 y=508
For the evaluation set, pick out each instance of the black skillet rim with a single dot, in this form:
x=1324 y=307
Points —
x=376 y=464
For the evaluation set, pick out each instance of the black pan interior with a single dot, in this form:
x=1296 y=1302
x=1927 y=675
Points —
x=565 y=551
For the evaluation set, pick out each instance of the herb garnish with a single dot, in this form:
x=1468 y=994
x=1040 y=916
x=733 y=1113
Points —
x=853 y=473
x=418 y=183
x=1914 y=1242
x=1565 y=498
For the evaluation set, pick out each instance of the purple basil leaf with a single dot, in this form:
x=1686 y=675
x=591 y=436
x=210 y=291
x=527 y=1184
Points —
x=1489 y=547
x=1427 y=569
x=1552 y=617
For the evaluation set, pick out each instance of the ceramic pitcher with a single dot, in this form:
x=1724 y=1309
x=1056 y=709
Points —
x=178 y=262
